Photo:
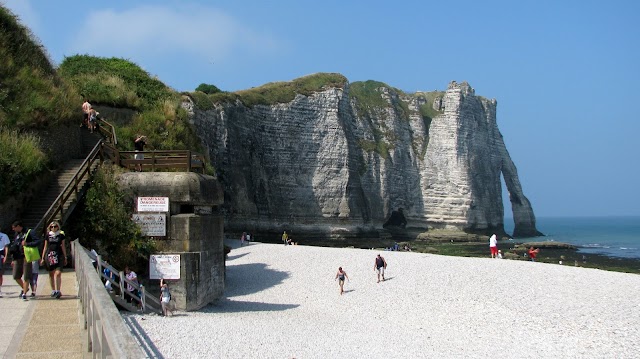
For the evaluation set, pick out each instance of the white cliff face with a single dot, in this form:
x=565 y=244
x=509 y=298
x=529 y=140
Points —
x=319 y=164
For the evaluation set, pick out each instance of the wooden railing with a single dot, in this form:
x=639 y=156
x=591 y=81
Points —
x=155 y=160
x=57 y=208
x=181 y=160
x=106 y=149
x=108 y=131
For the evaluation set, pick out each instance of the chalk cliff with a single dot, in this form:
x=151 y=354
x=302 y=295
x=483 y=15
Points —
x=338 y=161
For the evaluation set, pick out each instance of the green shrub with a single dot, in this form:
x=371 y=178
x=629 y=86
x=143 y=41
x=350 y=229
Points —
x=206 y=102
x=21 y=160
x=166 y=126
x=379 y=144
x=105 y=222
x=207 y=88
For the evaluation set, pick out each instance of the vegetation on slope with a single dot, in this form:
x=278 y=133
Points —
x=31 y=93
x=32 y=96
x=283 y=92
x=371 y=104
x=114 y=82
x=21 y=161
x=121 y=83
x=104 y=222
x=426 y=110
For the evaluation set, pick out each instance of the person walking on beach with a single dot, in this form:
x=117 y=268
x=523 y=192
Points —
x=243 y=238
x=493 y=245
x=533 y=253
x=285 y=238
x=55 y=257
x=379 y=266
x=340 y=276
x=4 y=253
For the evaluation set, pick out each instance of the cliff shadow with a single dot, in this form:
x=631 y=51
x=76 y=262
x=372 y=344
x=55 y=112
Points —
x=251 y=278
x=240 y=306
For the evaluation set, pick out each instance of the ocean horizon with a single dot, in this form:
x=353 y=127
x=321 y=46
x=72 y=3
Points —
x=615 y=236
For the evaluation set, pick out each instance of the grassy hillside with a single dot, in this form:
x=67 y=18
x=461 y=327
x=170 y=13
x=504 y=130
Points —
x=114 y=82
x=121 y=83
x=31 y=92
x=32 y=95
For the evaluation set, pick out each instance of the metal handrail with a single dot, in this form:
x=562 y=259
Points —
x=72 y=187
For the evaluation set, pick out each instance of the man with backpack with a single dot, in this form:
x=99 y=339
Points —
x=22 y=270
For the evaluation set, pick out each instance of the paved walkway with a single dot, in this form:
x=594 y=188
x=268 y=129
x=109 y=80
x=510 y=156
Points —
x=42 y=326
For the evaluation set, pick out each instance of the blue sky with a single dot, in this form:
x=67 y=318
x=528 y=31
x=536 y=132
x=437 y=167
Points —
x=566 y=74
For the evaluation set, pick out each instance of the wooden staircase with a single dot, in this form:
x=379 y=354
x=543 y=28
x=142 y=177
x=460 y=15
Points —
x=41 y=204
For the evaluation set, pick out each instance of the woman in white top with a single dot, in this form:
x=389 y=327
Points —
x=165 y=297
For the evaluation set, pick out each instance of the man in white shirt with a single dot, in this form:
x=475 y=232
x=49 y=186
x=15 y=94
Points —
x=4 y=251
x=86 y=108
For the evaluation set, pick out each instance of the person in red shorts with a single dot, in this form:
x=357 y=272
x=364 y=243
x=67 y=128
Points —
x=493 y=245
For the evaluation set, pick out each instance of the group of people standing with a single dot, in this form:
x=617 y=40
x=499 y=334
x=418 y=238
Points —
x=379 y=266
x=24 y=249
x=246 y=237
x=89 y=116
x=531 y=253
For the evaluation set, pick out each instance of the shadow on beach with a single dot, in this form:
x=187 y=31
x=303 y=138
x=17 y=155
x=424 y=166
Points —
x=233 y=306
x=142 y=338
x=243 y=279
x=230 y=258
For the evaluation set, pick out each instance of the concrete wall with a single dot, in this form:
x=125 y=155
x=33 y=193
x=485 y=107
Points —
x=194 y=230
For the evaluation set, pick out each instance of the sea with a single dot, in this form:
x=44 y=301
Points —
x=610 y=236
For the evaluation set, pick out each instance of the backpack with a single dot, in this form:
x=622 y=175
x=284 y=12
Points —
x=14 y=247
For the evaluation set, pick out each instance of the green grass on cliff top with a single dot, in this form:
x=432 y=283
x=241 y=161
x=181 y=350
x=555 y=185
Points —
x=273 y=92
x=284 y=92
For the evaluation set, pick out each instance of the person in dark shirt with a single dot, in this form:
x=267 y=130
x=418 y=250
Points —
x=379 y=266
x=139 y=144
x=55 y=257
x=22 y=270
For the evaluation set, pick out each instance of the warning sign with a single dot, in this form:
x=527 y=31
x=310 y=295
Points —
x=164 y=266
x=151 y=225
x=153 y=204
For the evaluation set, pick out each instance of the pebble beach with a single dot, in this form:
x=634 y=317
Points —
x=284 y=302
